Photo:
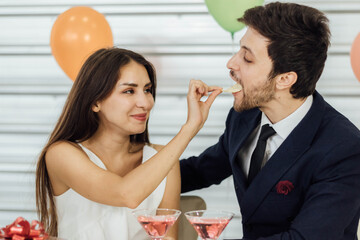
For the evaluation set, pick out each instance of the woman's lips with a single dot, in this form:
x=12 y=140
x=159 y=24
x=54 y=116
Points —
x=140 y=117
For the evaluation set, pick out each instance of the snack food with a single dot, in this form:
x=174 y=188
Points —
x=235 y=88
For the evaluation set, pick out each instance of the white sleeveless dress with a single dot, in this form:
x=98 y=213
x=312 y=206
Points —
x=82 y=219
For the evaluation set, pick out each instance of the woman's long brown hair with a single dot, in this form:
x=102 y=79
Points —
x=78 y=122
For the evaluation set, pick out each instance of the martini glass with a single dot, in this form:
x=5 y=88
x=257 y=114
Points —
x=209 y=224
x=156 y=222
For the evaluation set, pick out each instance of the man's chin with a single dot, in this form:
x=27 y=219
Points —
x=241 y=107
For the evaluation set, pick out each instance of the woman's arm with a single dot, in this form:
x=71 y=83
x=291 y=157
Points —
x=171 y=198
x=70 y=166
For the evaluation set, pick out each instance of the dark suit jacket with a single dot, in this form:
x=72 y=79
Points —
x=320 y=157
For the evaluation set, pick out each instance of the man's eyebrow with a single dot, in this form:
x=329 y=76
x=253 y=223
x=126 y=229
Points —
x=247 y=49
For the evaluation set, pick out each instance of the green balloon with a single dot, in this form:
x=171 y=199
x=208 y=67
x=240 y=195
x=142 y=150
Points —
x=226 y=12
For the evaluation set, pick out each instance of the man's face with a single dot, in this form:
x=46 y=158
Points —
x=250 y=67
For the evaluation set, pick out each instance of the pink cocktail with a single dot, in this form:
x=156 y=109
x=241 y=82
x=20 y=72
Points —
x=156 y=222
x=209 y=224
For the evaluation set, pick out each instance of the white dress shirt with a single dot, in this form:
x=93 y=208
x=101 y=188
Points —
x=283 y=128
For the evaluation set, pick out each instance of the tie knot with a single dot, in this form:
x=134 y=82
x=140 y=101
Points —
x=266 y=132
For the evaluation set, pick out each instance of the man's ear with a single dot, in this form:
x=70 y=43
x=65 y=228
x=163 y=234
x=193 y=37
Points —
x=286 y=80
x=96 y=107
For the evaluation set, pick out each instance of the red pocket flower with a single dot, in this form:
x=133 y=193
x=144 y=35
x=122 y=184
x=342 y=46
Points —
x=284 y=187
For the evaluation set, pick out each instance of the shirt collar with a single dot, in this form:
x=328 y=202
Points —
x=284 y=127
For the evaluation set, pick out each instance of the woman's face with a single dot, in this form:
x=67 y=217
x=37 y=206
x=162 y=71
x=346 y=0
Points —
x=127 y=108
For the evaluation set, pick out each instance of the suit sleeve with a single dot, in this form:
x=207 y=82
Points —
x=332 y=201
x=210 y=167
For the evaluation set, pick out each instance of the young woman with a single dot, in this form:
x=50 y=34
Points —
x=98 y=164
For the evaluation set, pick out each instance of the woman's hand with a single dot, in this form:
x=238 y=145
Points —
x=198 y=110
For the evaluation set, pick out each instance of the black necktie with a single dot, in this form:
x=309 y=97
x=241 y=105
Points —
x=258 y=154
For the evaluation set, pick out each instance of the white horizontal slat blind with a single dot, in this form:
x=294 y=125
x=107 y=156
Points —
x=181 y=39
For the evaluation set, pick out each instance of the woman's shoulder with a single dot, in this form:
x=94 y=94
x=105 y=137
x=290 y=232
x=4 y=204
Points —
x=63 y=145
x=62 y=148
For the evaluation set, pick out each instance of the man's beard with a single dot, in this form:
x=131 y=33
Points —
x=256 y=97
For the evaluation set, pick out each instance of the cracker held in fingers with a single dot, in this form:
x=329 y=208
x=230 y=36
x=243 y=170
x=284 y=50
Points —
x=236 y=88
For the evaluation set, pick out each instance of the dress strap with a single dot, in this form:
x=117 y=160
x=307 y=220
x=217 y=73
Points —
x=93 y=157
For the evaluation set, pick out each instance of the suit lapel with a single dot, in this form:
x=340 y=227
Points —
x=246 y=126
x=283 y=159
x=286 y=156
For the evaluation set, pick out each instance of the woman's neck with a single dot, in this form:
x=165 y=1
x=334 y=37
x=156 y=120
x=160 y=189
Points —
x=109 y=142
x=117 y=153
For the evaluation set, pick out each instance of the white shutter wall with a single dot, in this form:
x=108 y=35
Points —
x=180 y=38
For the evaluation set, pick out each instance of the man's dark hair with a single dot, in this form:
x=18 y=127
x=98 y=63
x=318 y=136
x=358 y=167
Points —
x=299 y=37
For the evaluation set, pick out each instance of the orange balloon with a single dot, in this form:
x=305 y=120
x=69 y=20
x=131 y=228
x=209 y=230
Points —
x=76 y=34
x=355 y=56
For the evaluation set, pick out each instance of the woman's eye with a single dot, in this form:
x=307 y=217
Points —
x=148 y=90
x=129 y=91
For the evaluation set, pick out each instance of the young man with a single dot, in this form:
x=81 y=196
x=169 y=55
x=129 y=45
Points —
x=295 y=160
